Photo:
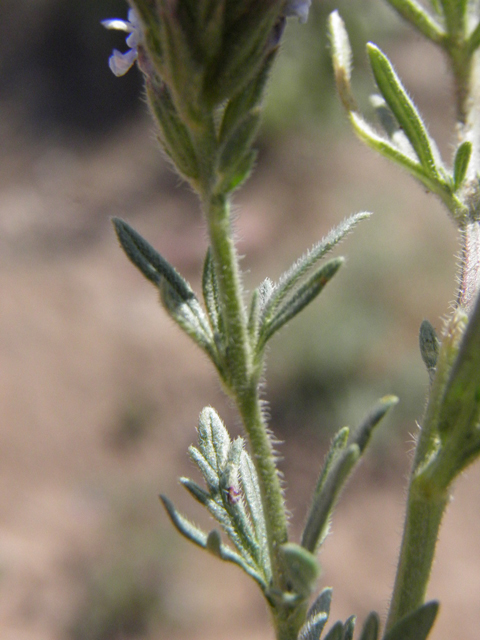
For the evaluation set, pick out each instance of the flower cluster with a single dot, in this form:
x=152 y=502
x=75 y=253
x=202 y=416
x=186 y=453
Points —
x=120 y=62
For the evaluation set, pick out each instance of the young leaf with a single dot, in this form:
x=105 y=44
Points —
x=253 y=501
x=415 y=625
x=211 y=294
x=342 y=60
x=324 y=501
x=298 y=300
x=404 y=110
x=460 y=164
x=220 y=461
x=429 y=346
x=214 y=441
x=363 y=432
x=371 y=627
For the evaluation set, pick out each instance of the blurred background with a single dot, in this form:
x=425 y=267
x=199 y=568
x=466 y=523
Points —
x=100 y=394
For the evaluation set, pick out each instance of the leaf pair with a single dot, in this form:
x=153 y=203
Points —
x=340 y=461
x=405 y=140
x=273 y=305
x=232 y=498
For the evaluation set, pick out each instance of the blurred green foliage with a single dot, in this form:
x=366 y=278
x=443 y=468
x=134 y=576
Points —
x=302 y=92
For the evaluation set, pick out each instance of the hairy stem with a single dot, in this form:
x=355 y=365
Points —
x=424 y=515
x=469 y=278
x=244 y=375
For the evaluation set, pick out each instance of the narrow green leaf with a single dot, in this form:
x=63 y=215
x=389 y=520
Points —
x=211 y=295
x=174 y=136
x=464 y=376
x=429 y=346
x=196 y=491
x=349 y=628
x=209 y=474
x=214 y=441
x=317 y=616
x=311 y=538
x=404 y=110
x=322 y=603
x=148 y=261
x=363 y=432
x=189 y=315
x=200 y=538
x=342 y=60
x=254 y=316
x=413 y=11
x=415 y=625
x=253 y=501
x=184 y=526
x=336 y=632
x=460 y=164
x=276 y=294
x=299 y=300
x=301 y=568
x=391 y=151
x=312 y=629
x=371 y=627
x=324 y=501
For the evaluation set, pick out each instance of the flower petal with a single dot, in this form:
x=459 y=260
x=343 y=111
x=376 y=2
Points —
x=116 y=23
x=120 y=63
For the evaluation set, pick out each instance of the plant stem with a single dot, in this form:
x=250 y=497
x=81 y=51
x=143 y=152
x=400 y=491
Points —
x=244 y=377
x=425 y=509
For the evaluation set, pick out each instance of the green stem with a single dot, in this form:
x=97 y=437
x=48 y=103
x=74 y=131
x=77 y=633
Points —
x=243 y=379
x=425 y=509
x=276 y=522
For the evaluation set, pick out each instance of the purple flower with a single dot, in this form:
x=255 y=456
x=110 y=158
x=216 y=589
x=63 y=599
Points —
x=299 y=8
x=119 y=62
